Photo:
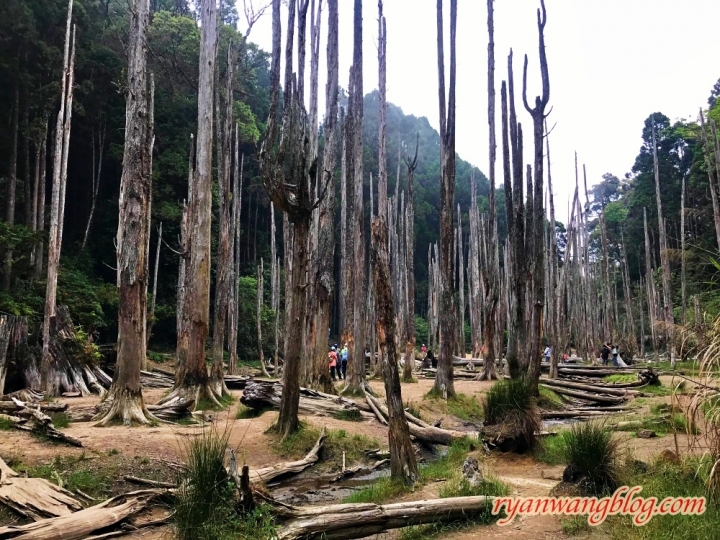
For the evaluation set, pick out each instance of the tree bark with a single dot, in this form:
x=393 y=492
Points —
x=258 y=319
x=713 y=181
x=444 y=380
x=233 y=305
x=153 y=298
x=410 y=247
x=40 y=201
x=48 y=371
x=191 y=378
x=95 y=181
x=323 y=280
x=124 y=401
x=402 y=454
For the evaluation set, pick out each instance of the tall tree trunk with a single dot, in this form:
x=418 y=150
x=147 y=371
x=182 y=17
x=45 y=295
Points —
x=411 y=164
x=224 y=255
x=191 y=376
x=323 y=280
x=95 y=180
x=538 y=212
x=712 y=177
x=153 y=298
x=357 y=343
x=346 y=259
x=664 y=260
x=48 y=371
x=461 y=284
x=491 y=273
x=444 y=379
x=650 y=281
x=258 y=318
x=233 y=305
x=124 y=401
x=40 y=200
x=12 y=185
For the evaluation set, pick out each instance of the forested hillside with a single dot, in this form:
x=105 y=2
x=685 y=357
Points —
x=31 y=61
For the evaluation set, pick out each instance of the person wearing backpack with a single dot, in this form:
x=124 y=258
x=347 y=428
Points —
x=343 y=362
x=332 y=362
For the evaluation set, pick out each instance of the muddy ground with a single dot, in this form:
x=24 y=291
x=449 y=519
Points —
x=113 y=452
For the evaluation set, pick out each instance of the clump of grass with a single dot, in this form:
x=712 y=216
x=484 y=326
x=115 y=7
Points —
x=550 y=400
x=113 y=452
x=5 y=424
x=511 y=405
x=378 y=492
x=448 y=465
x=349 y=415
x=204 y=507
x=461 y=487
x=590 y=450
x=246 y=412
x=656 y=390
x=207 y=405
x=575 y=525
x=662 y=423
x=60 y=419
x=336 y=442
x=465 y=407
x=551 y=450
x=93 y=482
x=413 y=409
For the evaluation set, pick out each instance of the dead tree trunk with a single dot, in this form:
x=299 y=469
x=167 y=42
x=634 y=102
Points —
x=411 y=164
x=233 y=305
x=538 y=278
x=223 y=282
x=323 y=281
x=461 y=284
x=712 y=176
x=258 y=319
x=289 y=171
x=444 y=380
x=95 y=179
x=664 y=260
x=124 y=401
x=12 y=185
x=40 y=198
x=275 y=278
x=48 y=371
x=356 y=349
x=491 y=260
x=650 y=282
x=153 y=298
x=191 y=377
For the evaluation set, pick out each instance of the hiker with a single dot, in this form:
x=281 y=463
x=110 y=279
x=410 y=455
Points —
x=343 y=362
x=423 y=349
x=332 y=361
x=615 y=356
x=433 y=360
x=564 y=358
x=547 y=353
x=605 y=353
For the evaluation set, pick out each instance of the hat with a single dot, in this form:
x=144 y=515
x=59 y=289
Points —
x=332 y=348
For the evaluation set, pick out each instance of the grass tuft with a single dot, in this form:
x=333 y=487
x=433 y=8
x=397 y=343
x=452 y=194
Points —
x=5 y=424
x=550 y=400
x=246 y=412
x=349 y=415
x=301 y=442
x=589 y=448
x=378 y=492
x=551 y=450
x=60 y=419
x=620 y=378
x=511 y=404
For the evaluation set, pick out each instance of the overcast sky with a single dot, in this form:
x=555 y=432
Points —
x=611 y=62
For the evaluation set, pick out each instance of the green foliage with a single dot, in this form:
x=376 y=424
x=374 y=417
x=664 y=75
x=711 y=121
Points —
x=511 y=404
x=550 y=400
x=5 y=424
x=465 y=407
x=590 y=449
x=351 y=415
x=551 y=450
x=204 y=503
x=380 y=491
x=620 y=378
x=60 y=419
x=298 y=444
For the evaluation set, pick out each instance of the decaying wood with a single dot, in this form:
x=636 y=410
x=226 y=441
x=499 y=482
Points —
x=591 y=388
x=348 y=521
x=261 y=394
x=34 y=498
x=80 y=524
x=266 y=474
x=588 y=396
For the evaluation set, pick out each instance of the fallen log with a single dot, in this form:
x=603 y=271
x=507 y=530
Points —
x=591 y=388
x=82 y=523
x=377 y=413
x=266 y=474
x=588 y=371
x=34 y=498
x=427 y=433
x=349 y=521
x=547 y=415
x=15 y=405
x=26 y=394
x=586 y=395
x=457 y=361
x=237 y=382
x=261 y=394
x=149 y=482
x=30 y=419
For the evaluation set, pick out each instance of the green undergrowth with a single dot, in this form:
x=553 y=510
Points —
x=664 y=479
x=244 y=412
x=620 y=378
x=461 y=406
x=662 y=422
x=5 y=424
x=591 y=450
x=208 y=405
x=550 y=400
x=60 y=419
x=413 y=409
x=298 y=444
x=550 y=450
x=575 y=526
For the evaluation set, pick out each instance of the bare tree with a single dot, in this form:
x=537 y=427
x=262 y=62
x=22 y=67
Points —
x=233 y=305
x=258 y=317
x=223 y=283
x=253 y=14
x=322 y=282
x=444 y=379
x=153 y=298
x=39 y=196
x=491 y=268
x=48 y=372
x=712 y=176
x=191 y=376
x=124 y=401
x=538 y=213
x=411 y=164
x=95 y=178
x=289 y=173
x=664 y=258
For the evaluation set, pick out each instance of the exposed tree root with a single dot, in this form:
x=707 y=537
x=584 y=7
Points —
x=127 y=407
x=194 y=393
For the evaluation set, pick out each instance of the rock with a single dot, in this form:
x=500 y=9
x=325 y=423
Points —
x=646 y=434
x=471 y=471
